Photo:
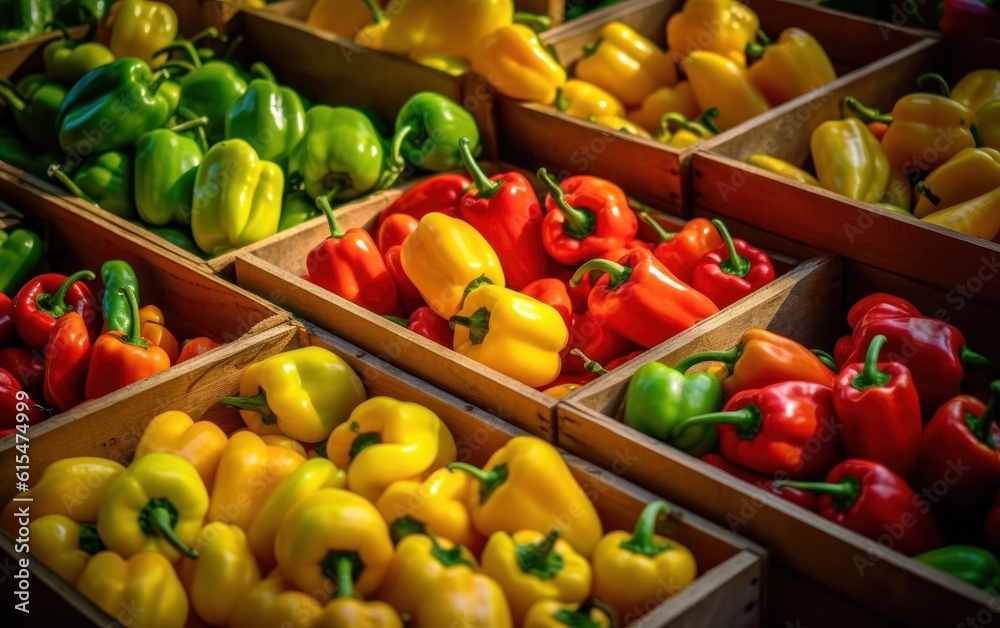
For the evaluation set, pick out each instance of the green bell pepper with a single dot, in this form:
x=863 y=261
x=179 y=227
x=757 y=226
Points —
x=237 y=197
x=117 y=274
x=112 y=107
x=428 y=128
x=296 y=209
x=268 y=116
x=82 y=11
x=659 y=397
x=166 y=163
x=20 y=154
x=24 y=19
x=174 y=236
x=105 y=181
x=31 y=82
x=20 y=253
x=67 y=60
x=974 y=565
x=36 y=115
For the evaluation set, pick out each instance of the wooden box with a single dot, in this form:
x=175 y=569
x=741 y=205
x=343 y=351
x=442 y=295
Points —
x=534 y=135
x=728 y=590
x=867 y=584
x=724 y=184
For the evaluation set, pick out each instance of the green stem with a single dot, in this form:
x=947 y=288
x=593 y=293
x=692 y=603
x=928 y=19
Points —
x=747 y=420
x=183 y=46
x=971 y=359
x=478 y=324
x=762 y=36
x=670 y=120
x=65 y=31
x=378 y=16
x=980 y=425
x=363 y=442
x=922 y=189
x=478 y=282
x=866 y=114
x=977 y=135
x=580 y=223
x=448 y=557
x=643 y=539
x=539 y=559
x=257 y=403
x=134 y=335
x=158 y=79
x=184 y=66
x=735 y=264
x=580 y=616
x=90 y=540
x=937 y=80
x=665 y=236
x=870 y=376
x=55 y=304
x=190 y=124
x=345 y=576
x=484 y=186
x=489 y=481
x=10 y=96
x=209 y=33
x=323 y=203
x=159 y=517
x=55 y=170
x=592 y=47
x=707 y=120
x=825 y=358
x=726 y=357
x=618 y=274
x=260 y=69
x=844 y=493
x=397 y=163
x=756 y=51
x=562 y=103
x=234 y=44
x=404 y=527
x=189 y=115
x=589 y=364
x=535 y=21
x=344 y=568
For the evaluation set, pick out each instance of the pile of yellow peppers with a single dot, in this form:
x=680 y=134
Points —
x=935 y=157
x=370 y=522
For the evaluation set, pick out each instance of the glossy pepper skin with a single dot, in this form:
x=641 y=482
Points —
x=917 y=120
x=551 y=292
x=24 y=19
x=269 y=117
x=782 y=168
x=968 y=563
x=140 y=28
x=347 y=611
x=692 y=29
x=394 y=230
x=67 y=356
x=35 y=115
x=275 y=601
x=428 y=129
x=582 y=99
x=194 y=347
x=517 y=64
x=681 y=251
x=425 y=322
x=386 y=440
x=720 y=83
x=585 y=217
x=596 y=341
x=201 y=443
x=154 y=330
x=26 y=366
x=15 y=400
x=507 y=498
x=592 y=612
x=979 y=216
x=67 y=60
x=304 y=393
x=20 y=252
x=225 y=570
x=145 y=580
x=970 y=173
x=631 y=569
x=104 y=180
x=440 y=193
x=977 y=88
x=444 y=28
x=866 y=497
x=775 y=429
x=210 y=90
x=806 y=499
x=794 y=65
x=166 y=165
x=47 y=297
x=626 y=63
x=849 y=160
x=115 y=275
x=64 y=545
x=7 y=331
x=641 y=300
x=732 y=271
x=677 y=99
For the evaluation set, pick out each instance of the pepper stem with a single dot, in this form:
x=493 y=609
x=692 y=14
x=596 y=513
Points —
x=10 y=96
x=260 y=69
x=55 y=170
x=535 y=21
x=378 y=16
x=90 y=540
x=345 y=576
x=55 y=304
x=562 y=103
x=726 y=357
x=825 y=358
x=735 y=264
x=363 y=442
x=937 y=80
x=589 y=364
x=343 y=568
x=591 y=48
x=870 y=376
x=187 y=114
x=747 y=421
x=184 y=66
x=980 y=425
x=538 y=559
x=484 y=186
x=665 y=236
x=756 y=51
x=209 y=33
x=977 y=135
x=643 y=540
x=134 y=334
x=257 y=403
x=580 y=223
x=396 y=164
x=580 y=616
x=706 y=120
x=404 y=527
x=158 y=79
x=489 y=481
x=670 y=120
x=190 y=124
x=851 y=105
x=922 y=189
x=323 y=203
x=618 y=274
x=971 y=359
x=478 y=324
x=844 y=493
x=159 y=518
x=183 y=46
x=450 y=557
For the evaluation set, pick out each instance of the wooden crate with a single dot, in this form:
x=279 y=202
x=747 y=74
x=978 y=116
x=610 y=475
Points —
x=805 y=547
x=299 y=9
x=729 y=587
x=724 y=184
x=534 y=135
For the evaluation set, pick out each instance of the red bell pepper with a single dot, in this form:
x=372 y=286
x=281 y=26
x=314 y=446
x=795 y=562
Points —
x=879 y=412
x=7 y=331
x=427 y=323
x=196 y=346
x=797 y=496
x=868 y=498
x=504 y=209
x=67 y=356
x=552 y=292
x=681 y=251
x=599 y=342
x=784 y=428
x=586 y=218
x=440 y=193
x=961 y=450
x=349 y=265
x=407 y=293
x=992 y=524
x=732 y=271
x=15 y=400
x=970 y=17
x=45 y=298
x=27 y=366
x=394 y=229
x=641 y=300
x=636 y=243
x=859 y=309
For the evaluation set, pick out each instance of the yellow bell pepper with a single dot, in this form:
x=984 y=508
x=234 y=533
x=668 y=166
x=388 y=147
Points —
x=343 y=18
x=225 y=570
x=720 y=83
x=456 y=66
x=141 y=592
x=437 y=504
x=512 y=333
x=139 y=28
x=305 y=393
x=988 y=117
x=849 y=160
x=436 y=584
x=627 y=64
x=386 y=440
x=794 y=65
x=621 y=124
x=176 y=433
x=157 y=505
x=899 y=191
x=582 y=99
x=782 y=168
x=73 y=487
x=313 y=475
x=971 y=173
x=445 y=258
x=561 y=391
x=329 y=531
x=419 y=28
x=275 y=601
x=509 y=496
x=679 y=132
x=978 y=217
x=64 y=545
x=515 y=62
x=249 y=471
x=677 y=99
x=977 y=88
x=724 y=27
x=593 y=613
x=531 y=567
x=632 y=569
x=280 y=440
x=346 y=611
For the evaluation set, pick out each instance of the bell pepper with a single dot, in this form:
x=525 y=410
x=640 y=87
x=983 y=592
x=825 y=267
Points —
x=178 y=238
x=507 y=496
x=782 y=168
x=343 y=18
x=849 y=160
x=626 y=64
x=303 y=393
x=977 y=88
x=385 y=441
x=269 y=117
x=67 y=356
x=621 y=124
x=681 y=251
x=67 y=60
x=590 y=337
x=720 y=83
x=24 y=19
x=973 y=565
x=680 y=133
x=440 y=193
x=425 y=322
x=100 y=97
x=991 y=523
x=562 y=386
x=275 y=601
x=518 y=65
x=410 y=298
x=142 y=588
x=394 y=230
x=658 y=305
x=988 y=118
x=794 y=65
x=969 y=17
x=435 y=27
x=979 y=216
x=200 y=443
x=632 y=569
x=350 y=265
x=155 y=331
x=582 y=99
x=20 y=252
x=47 y=297
x=26 y=366
x=214 y=91
x=782 y=428
x=105 y=181
x=115 y=275
x=166 y=164
x=428 y=129
x=591 y=613
x=806 y=499
x=965 y=431
x=297 y=208
x=332 y=532
x=60 y=491
x=969 y=174
x=15 y=400
x=7 y=331
x=139 y=28
x=731 y=271
x=724 y=27
x=551 y=292
x=347 y=611
x=677 y=99
x=195 y=347
x=64 y=545
x=36 y=115
x=585 y=217
x=504 y=210
x=868 y=498
x=222 y=575
x=434 y=582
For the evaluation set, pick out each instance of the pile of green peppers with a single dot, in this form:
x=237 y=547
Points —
x=24 y=19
